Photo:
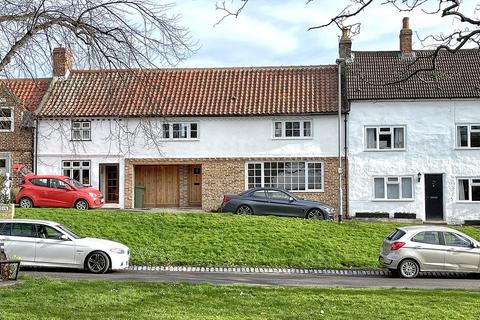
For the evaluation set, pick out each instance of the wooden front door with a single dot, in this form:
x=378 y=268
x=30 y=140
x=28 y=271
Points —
x=161 y=185
x=195 y=185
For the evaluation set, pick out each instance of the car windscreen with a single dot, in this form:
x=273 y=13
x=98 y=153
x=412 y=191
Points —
x=68 y=231
x=74 y=183
x=395 y=235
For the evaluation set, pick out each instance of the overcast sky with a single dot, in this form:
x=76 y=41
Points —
x=274 y=32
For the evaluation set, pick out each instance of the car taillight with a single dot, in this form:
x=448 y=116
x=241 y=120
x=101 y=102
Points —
x=226 y=199
x=396 y=245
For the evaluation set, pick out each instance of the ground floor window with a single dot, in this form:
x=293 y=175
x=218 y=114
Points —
x=4 y=163
x=78 y=170
x=393 y=188
x=469 y=189
x=289 y=175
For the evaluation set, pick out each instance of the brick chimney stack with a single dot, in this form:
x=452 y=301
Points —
x=62 y=62
x=345 y=45
x=406 y=38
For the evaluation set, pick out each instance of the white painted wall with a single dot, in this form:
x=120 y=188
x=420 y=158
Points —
x=430 y=148
x=218 y=137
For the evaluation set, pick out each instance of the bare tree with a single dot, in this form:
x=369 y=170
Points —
x=101 y=33
x=467 y=34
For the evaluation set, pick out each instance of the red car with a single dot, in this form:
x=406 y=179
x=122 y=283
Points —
x=56 y=191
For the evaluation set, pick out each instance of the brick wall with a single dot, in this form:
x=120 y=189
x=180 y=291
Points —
x=19 y=143
x=227 y=176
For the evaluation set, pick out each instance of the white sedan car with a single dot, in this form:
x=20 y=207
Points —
x=49 y=244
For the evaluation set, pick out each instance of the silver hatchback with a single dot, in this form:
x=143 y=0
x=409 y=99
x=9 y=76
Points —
x=409 y=250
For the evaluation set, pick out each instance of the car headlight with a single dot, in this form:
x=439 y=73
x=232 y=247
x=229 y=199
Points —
x=93 y=195
x=117 y=250
x=330 y=210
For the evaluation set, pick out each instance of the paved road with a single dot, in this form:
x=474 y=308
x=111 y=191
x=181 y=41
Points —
x=270 y=279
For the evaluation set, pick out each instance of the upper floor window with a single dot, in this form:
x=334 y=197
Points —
x=468 y=136
x=81 y=130
x=181 y=130
x=385 y=138
x=6 y=119
x=292 y=129
x=393 y=188
x=468 y=189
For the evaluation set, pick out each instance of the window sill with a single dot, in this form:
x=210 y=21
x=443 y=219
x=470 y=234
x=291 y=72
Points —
x=467 y=148
x=5 y=131
x=393 y=200
x=306 y=191
x=292 y=138
x=385 y=150
x=72 y=140
x=175 y=140
x=467 y=202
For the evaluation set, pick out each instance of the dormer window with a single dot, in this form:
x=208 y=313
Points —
x=81 y=130
x=6 y=119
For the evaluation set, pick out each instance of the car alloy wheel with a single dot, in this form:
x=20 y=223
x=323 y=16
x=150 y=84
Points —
x=315 y=214
x=81 y=205
x=98 y=262
x=408 y=268
x=244 y=209
x=26 y=203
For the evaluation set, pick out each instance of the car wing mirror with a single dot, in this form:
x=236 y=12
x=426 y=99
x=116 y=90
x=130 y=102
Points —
x=64 y=237
x=291 y=199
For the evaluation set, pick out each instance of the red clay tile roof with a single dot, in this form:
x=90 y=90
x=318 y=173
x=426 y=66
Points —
x=29 y=91
x=195 y=92
x=370 y=75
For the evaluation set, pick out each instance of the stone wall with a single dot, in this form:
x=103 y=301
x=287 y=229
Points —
x=19 y=143
x=222 y=176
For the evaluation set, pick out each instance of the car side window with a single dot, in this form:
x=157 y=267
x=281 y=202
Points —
x=40 y=182
x=57 y=184
x=5 y=229
x=46 y=232
x=454 y=240
x=23 y=230
x=429 y=237
x=278 y=195
x=260 y=194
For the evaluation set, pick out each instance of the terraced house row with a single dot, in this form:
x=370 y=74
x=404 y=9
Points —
x=185 y=137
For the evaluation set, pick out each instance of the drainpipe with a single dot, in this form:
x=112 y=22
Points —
x=35 y=146
x=340 y=62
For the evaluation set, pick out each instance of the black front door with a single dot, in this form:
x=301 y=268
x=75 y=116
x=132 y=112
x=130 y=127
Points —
x=434 y=196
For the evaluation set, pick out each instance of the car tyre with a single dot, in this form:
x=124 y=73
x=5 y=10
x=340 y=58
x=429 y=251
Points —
x=408 y=268
x=25 y=203
x=97 y=262
x=244 y=209
x=81 y=204
x=315 y=214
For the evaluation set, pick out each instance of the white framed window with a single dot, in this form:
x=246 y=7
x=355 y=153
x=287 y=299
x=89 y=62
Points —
x=288 y=175
x=385 y=138
x=468 y=136
x=180 y=131
x=78 y=170
x=292 y=129
x=393 y=188
x=6 y=119
x=468 y=189
x=81 y=130
x=4 y=163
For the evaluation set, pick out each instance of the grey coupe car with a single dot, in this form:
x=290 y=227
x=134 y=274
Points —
x=273 y=201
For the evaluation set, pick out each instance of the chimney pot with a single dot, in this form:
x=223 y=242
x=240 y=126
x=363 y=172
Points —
x=62 y=62
x=345 y=45
x=406 y=38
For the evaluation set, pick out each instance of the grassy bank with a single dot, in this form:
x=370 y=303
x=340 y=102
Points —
x=208 y=239
x=53 y=299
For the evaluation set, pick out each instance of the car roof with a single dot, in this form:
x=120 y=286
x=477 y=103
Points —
x=47 y=177
x=51 y=223
x=426 y=228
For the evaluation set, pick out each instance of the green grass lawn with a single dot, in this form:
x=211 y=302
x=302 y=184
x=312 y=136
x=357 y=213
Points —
x=208 y=239
x=54 y=299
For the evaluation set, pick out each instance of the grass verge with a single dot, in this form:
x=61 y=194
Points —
x=208 y=239
x=55 y=299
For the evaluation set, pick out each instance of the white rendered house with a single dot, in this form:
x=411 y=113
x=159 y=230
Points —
x=414 y=145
